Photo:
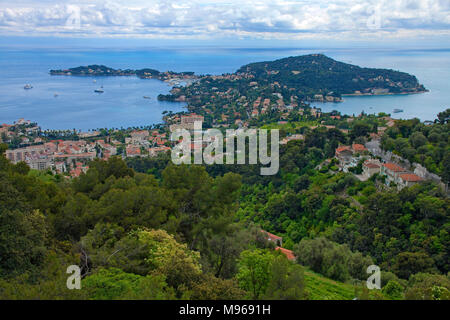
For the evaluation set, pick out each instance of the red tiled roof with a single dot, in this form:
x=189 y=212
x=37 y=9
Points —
x=342 y=148
x=393 y=167
x=371 y=165
x=358 y=147
x=411 y=177
x=288 y=253
x=272 y=236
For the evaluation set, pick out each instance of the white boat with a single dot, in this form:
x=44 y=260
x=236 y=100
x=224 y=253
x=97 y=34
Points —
x=147 y=97
x=397 y=110
x=28 y=86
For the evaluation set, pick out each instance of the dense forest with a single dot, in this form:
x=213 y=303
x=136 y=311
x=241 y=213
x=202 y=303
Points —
x=147 y=229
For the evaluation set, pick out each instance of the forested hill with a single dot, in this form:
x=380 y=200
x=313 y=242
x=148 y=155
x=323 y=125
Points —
x=319 y=74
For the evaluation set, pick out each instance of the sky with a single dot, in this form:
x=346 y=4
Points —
x=335 y=20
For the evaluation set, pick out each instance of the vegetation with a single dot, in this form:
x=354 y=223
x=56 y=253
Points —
x=146 y=229
x=427 y=145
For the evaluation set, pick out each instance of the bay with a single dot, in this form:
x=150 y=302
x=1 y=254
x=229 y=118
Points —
x=122 y=104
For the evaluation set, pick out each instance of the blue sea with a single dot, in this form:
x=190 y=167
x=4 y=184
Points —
x=122 y=104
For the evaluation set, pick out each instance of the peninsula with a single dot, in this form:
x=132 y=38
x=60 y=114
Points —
x=269 y=89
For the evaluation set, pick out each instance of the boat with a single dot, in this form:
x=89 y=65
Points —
x=99 y=90
x=55 y=95
x=147 y=97
x=397 y=110
x=28 y=86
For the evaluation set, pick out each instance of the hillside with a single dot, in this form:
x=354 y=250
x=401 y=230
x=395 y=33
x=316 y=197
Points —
x=321 y=288
x=318 y=74
x=259 y=90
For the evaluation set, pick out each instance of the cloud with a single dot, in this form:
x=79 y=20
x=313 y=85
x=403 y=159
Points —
x=276 y=19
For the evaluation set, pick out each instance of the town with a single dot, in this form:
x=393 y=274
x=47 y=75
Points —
x=71 y=157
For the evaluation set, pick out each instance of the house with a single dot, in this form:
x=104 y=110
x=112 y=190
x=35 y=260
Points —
x=392 y=172
x=358 y=148
x=292 y=137
x=153 y=152
x=133 y=151
x=288 y=253
x=139 y=135
x=370 y=167
x=344 y=154
x=271 y=237
x=407 y=180
x=187 y=122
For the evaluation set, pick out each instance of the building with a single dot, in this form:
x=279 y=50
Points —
x=392 y=172
x=292 y=137
x=349 y=156
x=187 y=122
x=288 y=253
x=358 y=148
x=133 y=151
x=139 y=135
x=370 y=167
x=153 y=152
x=271 y=237
x=344 y=154
x=407 y=180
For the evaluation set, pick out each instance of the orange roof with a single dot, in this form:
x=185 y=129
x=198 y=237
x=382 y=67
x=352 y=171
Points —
x=271 y=236
x=358 y=147
x=411 y=177
x=371 y=165
x=393 y=167
x=288 y=253
x=342 y=148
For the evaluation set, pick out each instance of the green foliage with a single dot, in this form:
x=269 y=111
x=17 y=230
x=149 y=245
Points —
x=255 y=271
x=332 y=260
x=424 y=144
x=423 y=286
x=115 y=284
x=319 y=287
x=393 y=290
x=286 y=282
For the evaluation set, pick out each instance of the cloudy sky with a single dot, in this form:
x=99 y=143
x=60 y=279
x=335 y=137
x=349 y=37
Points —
x=233 y=19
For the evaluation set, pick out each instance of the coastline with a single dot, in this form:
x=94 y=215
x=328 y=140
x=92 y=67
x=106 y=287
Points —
x=382 y=94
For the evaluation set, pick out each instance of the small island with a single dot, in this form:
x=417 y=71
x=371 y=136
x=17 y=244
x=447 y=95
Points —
x=101 y=70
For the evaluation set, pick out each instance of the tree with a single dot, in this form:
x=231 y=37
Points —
x=425 y=286
x=254 y=271
x=417 y=139
x=286 y=281
x=393 y=290
x=444 y=116
x=114 y=284
x=212 y=288
x=408 y=263
x=145 y=252
x=23 y=239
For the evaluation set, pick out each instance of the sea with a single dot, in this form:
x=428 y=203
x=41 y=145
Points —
x=69 y=102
